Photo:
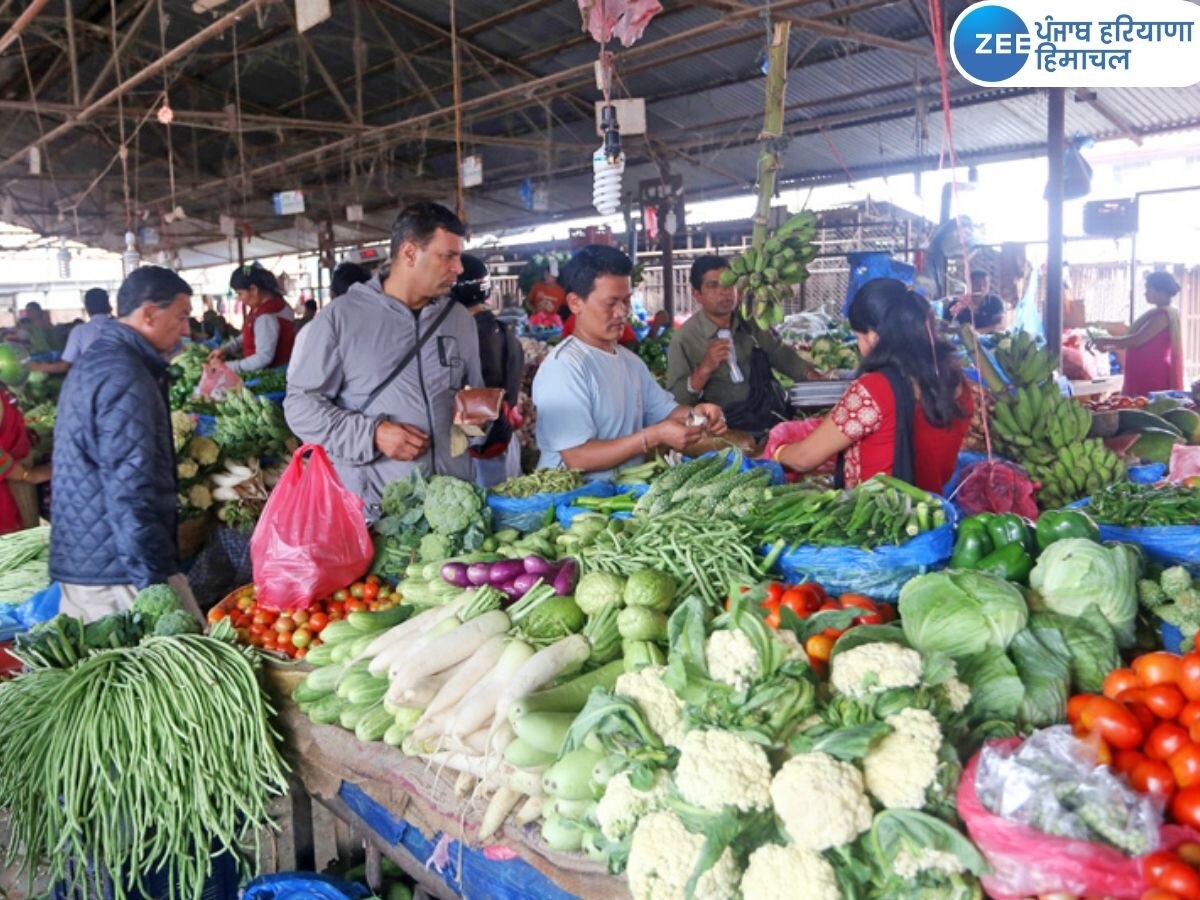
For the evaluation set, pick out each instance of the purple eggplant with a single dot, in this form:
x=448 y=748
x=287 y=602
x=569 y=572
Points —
x=505 y=570
x=509 y=590
x=479 y=574
x=456 y=574
x=535 y=565
x=524 y=583
x=564 y=579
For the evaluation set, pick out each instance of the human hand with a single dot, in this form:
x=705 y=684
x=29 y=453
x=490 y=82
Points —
x=216 y=356
x=674 y=434
x=714 y=416
x=719 y=351
x=401 y=442
x=39 y=474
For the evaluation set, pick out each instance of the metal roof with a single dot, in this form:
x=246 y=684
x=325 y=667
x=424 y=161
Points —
x=260 y=108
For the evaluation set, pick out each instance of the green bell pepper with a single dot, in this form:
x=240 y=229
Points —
x=1011 y=529
x=1011 y=562
x=972 y=544
x=1057 y=524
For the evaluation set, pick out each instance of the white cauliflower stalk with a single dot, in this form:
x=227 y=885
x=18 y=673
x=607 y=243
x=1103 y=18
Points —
x=789 y=873
x=874 y=668
x=957 y=694
x=658 y=703
x=820 y=801
x=909 y=865
x=623 y=805
x=732 y=659
x=901 y=767
x=719 y=768
x=663 y=854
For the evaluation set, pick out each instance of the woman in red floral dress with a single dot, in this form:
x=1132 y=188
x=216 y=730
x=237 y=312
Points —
x=908 y=413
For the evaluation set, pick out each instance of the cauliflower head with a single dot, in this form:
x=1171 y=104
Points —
x=663 y=854
x=658 y=703
x=204 y=450
x=956 y=694
x=842 y=811
x=199 y=496
x=901 y=767
x=793 y=648
x=910 y=865
x=719 y=768
x=622 y=805
x=874 y=668
x=789 y=873
x=187 y=469
x=732 y=659
x=182 y=428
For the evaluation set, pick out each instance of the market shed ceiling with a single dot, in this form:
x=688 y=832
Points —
x=360 y=110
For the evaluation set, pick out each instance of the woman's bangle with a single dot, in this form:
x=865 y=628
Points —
x=778 y=452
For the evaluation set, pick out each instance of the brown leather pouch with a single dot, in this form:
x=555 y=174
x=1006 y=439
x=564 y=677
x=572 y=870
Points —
x=478 y=406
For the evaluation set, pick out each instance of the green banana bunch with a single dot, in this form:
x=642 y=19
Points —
x=769 y=273
x=1023 y=361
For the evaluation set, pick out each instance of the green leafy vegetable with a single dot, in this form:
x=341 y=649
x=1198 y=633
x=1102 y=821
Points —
x=1045 y=672
x=996 y=688
x=961 y=613
x=1075 y=573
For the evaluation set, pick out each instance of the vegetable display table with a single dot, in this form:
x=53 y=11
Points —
x=1100 y=387
x=404 y=808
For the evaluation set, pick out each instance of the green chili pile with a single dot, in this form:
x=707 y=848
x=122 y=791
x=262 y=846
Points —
x=1132 y=504
x=137 y=761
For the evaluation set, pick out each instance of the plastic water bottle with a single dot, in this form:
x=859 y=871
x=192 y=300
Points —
x=606 y=182
x=735 y=371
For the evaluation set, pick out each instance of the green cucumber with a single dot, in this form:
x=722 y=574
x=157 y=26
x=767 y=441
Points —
x=561 y=835
x=326 y=711
x=569 y=778
x=303 y=693
x=375 y=622
x=543 y=730
x=570 y=696
x=525 y=756
x=395 y=734
x=575 y=810
x=374 y=725
x=320 y=655
x=352 y=715
x=325 y=679
x=338 y=632
x=371 y=691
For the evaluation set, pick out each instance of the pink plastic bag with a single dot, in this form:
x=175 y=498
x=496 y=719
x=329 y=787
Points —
x=1026 y=862
x=217 y=381
x=1185 y=463
x=793 y=433
x=312 y=539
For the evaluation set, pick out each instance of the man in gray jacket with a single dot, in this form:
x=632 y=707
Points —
x=339 y=395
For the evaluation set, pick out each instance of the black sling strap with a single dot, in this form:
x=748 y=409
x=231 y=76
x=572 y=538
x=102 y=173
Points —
x=422 y=339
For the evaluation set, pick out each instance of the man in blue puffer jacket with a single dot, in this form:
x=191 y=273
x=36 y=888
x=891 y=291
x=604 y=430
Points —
x=114 y=490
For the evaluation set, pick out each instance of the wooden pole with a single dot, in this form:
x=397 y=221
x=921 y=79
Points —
x=1054 y=200
x=456 y=76
x=18 y=26
x=768 y=159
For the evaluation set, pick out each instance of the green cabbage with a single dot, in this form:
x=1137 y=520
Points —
x=1090 y=641
x=1075 y=573
x=996 y=688
x=961 y=613
x=1041 y=662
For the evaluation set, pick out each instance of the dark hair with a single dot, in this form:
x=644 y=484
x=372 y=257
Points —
x=1163 y=282
x=979 y=275
x=255 y=275
x=345 y=276
x=310 y=305
x=417 y=222
x=472 y=286
x=579 y=275
x=33 y=306
x=907 y=341
x=95 y=301
x=149 y=284
x=702 y=266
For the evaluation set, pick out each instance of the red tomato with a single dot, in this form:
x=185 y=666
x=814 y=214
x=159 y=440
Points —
x=1075 y=706
x=1142 y=713
x=1189 y=852
x=1185 y=765
x=1125 y=761
x=216 y=614
x=284 y=624
x=1185 y=808
x=1165 y=700
x=1180 y=878
x=373 y=579
x=356 y=606
x=1160 y=894
x=1117 y=725
x=795 y=599
x=340 y=596
x=283 y=640
x=1154 y=863
x=1159 y=667
x=1154 y=778
x=245 y=601
x=300 y=653
x=258 y=630
x=819 y=647
x=335 y=607
x=269 y=640
x=356 y=590
x=317 y=622
x=887 y=612
x=1118 y=681
x=775 y=591
x=1163 y=742
x=370 y=590
x=1189 y=675
x=300 y=617
x=1190 y=714
x=772 y=607
x=301 y=637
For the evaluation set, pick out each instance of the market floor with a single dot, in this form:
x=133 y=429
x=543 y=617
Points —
x=14 y=884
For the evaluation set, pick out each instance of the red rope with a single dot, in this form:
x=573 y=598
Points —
x=837 y=157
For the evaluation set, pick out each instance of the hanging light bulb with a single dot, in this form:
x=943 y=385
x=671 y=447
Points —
x=130 y=259
x=64 y=259
x=608 y=165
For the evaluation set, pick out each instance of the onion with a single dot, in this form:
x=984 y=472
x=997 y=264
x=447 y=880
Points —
x=535 y=565
x=564 y=580
x=479 y=574
x=455 y=574
x=505 y=571
x=524 y=583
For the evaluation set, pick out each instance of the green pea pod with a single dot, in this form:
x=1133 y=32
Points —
x=1059 y=524
x=972 y=545
x=1011 y=562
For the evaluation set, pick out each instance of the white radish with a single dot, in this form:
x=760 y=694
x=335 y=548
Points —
x=400 y=651
x=476 y=709
x=530 y=811
x=468 y=674
x=414 y=627
x=549 y=663
x=465 y=784
x=502 y=803
x=450 y=649
x=478 y=741
x=417 y=694
x=526 y=782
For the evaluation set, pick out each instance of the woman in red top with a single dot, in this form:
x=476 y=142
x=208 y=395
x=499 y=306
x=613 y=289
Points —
x=1154 y=347
x=908 y=413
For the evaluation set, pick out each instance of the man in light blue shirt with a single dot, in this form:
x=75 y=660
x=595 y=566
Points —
x=99 y=311
x=598 y=406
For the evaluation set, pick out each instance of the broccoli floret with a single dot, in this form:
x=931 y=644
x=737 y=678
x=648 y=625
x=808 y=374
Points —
x=403 y=494
x=1150 y=594
x=176 y=622
x=435 y=547
x=452 y=505
x=154 y=602
x=112 y=631
x=1175 y=581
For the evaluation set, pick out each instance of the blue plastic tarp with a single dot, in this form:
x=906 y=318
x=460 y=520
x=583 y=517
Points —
x=304 y=886
x=41 y=607
x=527 y=514
x=1170 y=545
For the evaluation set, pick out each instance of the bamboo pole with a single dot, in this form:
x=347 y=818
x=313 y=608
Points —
x=772 y=132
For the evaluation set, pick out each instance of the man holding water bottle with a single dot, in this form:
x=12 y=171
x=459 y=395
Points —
x=719 y=357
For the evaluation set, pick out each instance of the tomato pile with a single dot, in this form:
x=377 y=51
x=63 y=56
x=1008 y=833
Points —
x=1173 y=874
x=1116 y=403
x=293 y=632
x=809 y=598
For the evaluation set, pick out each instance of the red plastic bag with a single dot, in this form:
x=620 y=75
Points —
x=1185 y=463
x=1026 y=862
x=312 y=539
x=217 y=381
x=793 y=433
x=995 y=486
